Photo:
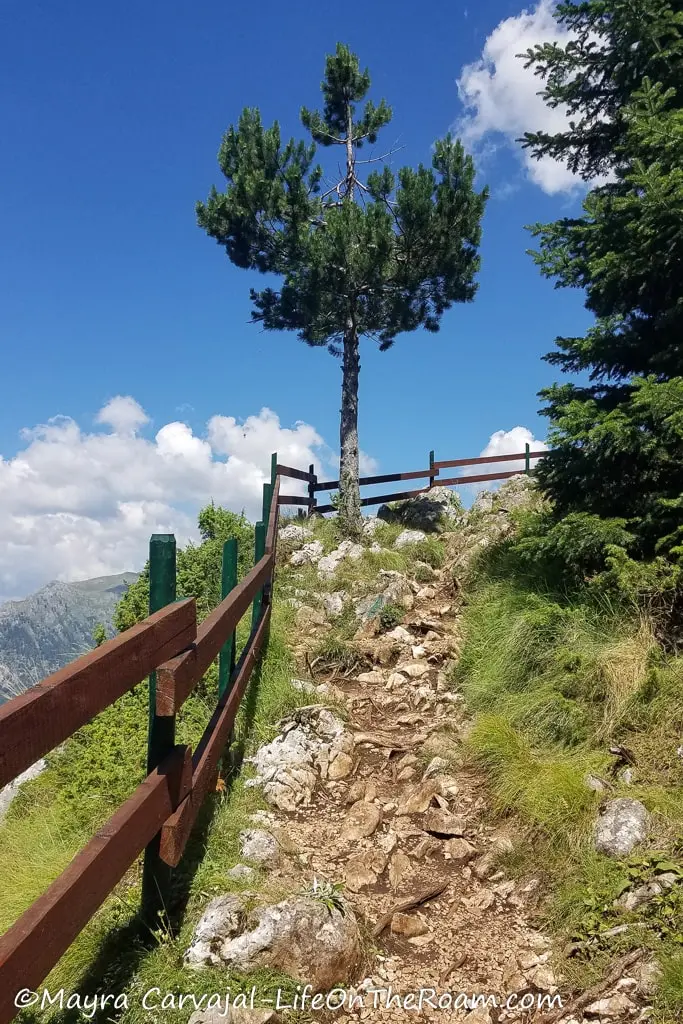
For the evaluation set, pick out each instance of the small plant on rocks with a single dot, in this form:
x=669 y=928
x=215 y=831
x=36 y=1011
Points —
x=390 y=616
x=329 y=893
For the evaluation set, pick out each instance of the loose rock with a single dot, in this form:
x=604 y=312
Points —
x=408 y=925
x=334 y=604
x=622 y=825
x=399 y=868
x=409 y=537
x=459 y=850
x=241 y=873
x=361 y=821
x=419 y=798
x=259 y=846
x=443 y=822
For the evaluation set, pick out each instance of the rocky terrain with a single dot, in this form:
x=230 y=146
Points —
x=48 y=629
x=379 y=864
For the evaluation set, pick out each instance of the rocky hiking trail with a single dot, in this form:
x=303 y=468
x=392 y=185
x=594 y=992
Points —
x=377 y=823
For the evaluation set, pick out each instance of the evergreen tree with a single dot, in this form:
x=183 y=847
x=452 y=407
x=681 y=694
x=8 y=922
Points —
x=617 y=437
x=357 y=259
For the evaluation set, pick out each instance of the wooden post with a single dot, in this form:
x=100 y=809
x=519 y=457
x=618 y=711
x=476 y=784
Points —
x=161 y=733
x=226 y=658
x=259 y=551
x=312 y=481
x=431 y=470
x=273 y=469
x=527 y=460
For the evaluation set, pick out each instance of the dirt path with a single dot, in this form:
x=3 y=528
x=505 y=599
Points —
x=405 y=822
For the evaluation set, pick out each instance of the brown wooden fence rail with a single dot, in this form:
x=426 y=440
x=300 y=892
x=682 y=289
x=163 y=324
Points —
x=174 y=652
x=432 y=474
x=157 y=818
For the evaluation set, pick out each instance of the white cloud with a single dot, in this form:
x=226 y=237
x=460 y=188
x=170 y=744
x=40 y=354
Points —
x=502 y=442
x=501 y=96
x=505 y=442
x=75 y=504
x=123 y=414
x=511 y=442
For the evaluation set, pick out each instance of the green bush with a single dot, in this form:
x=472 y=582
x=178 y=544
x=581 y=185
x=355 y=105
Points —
x=390 y=616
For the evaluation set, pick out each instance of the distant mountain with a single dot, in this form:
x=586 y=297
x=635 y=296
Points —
x=48 y=629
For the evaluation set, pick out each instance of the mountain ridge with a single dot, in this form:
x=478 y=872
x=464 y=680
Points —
x=44 y=631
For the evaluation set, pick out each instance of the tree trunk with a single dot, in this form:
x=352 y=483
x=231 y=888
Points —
x=349 y=491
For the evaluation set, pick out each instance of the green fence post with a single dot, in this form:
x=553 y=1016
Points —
x=431 y=470
x=527 y=460
x=273 y=468
x=267 y=498
x=259 y=551
x=161 y=733
x=226 y=657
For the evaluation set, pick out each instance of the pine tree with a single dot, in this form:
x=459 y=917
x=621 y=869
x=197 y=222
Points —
x=615 y=46
x=617 y=437
x=357 y=259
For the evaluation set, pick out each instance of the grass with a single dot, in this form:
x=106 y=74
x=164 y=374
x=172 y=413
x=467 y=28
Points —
x=553 y=681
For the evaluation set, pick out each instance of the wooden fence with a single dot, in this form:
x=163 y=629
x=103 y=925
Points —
x=175 y=652
x=432 y=474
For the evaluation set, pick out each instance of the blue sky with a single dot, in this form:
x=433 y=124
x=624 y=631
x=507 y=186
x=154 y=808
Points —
x=111 y=121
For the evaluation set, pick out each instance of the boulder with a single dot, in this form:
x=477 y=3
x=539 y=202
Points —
x=223 y=918
x=302 y=937
x=407 y=537
x=430 y=511
x=288 y=768
x=621 y=826
x=309 y=554
x=293 y=536
x=303 y=686
x=9 y=792
x=648 y=976
x=401 y=635
x=328 y=565
x=394 y=589
x=483 y=502
x=370 y=526
x=414 y=669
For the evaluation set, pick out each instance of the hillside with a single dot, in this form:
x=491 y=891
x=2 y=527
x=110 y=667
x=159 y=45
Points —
x=463 y=779
x=46 y=630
